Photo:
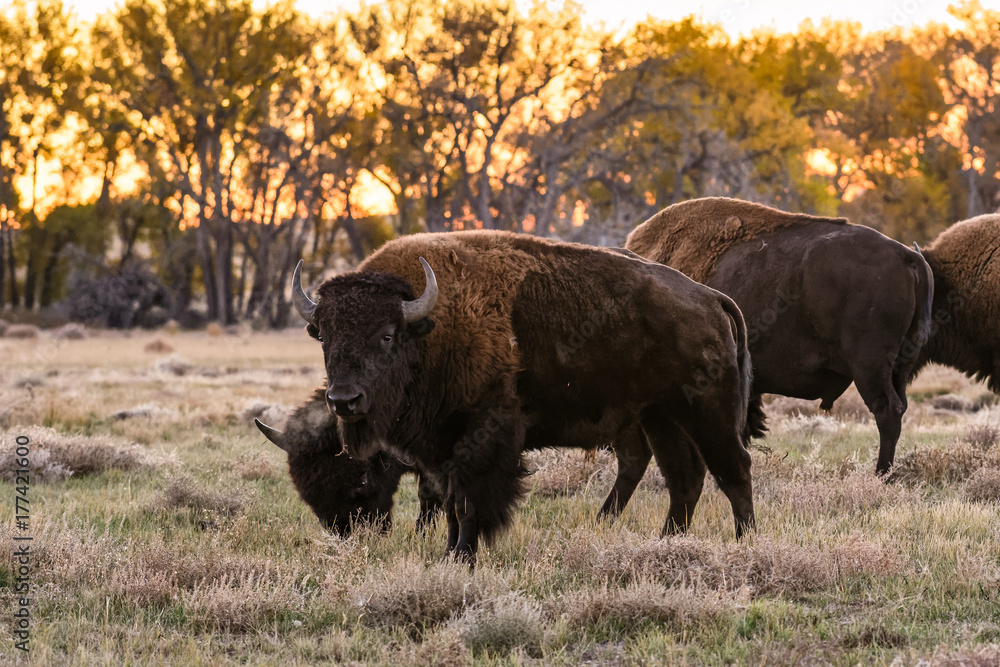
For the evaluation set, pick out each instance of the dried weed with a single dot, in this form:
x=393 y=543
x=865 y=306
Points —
x=55 y=456
x=416 y=596
x=764 y=567
x=502 y=625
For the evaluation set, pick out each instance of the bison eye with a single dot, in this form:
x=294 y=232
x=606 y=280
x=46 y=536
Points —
x=387 y=338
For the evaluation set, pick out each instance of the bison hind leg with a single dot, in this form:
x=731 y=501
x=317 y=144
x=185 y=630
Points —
x=633 y=456
x=715 y=435
x=681 y=465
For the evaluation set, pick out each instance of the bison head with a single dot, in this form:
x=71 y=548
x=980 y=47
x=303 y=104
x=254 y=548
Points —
x=340 y=490
x=369 y=325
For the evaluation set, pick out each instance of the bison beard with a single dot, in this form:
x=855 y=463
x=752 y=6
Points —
x=502 y=364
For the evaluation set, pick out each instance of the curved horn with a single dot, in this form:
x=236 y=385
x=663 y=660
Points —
x=303 y=304
x=272 y=434
x=917 y=248
x=421 y=308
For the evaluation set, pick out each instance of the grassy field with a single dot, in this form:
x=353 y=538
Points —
x=166 y=531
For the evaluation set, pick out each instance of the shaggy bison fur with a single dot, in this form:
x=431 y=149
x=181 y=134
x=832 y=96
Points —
x=518 y=343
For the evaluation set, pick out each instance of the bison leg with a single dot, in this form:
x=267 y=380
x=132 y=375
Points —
x=486 y=478
x=453 y=528
x=879 y=394
x=430 y=501
x=717 y=439
x=633 y=456
x=681 y=465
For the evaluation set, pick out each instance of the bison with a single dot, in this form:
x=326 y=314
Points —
x=965 y=332
x=517 y=343
x=342 y=491
x=826 y=302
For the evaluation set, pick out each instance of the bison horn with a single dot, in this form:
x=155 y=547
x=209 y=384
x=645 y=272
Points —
x=421 y=308
x=272 y=434
x=916 y=247
x=303 y=304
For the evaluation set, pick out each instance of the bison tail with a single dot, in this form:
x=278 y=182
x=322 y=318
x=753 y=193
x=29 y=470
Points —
x=913 y=356
x=751 y=412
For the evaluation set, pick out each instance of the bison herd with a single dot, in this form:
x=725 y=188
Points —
x=450 y=355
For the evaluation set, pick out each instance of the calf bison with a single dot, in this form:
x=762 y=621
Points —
x=342 y=491
x=826 y=302
x=965 y=259
x=517 y=343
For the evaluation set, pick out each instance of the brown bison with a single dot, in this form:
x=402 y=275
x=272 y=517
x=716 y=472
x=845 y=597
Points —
x=342 y=491
x=517 y=343
x=826 y=302
x=965 y=334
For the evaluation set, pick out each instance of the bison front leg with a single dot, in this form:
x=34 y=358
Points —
x=485 y=481
x=430 y=501
x=633 y=456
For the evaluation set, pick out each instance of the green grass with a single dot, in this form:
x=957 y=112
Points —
x=205 y=555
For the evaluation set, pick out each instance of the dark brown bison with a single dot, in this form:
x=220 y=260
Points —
x=340 y=490
x=343 y=491
x=965 y=334
x=517 y=343
x=826 y=302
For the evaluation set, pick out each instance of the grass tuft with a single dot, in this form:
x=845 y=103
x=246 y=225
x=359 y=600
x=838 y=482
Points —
x=502 y=625
x=184 y=492
x=417 y=597
x=55 y=456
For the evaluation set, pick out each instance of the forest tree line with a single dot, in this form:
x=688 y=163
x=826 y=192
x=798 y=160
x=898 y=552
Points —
x=178 y=157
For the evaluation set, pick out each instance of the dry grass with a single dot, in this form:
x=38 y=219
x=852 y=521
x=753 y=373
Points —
x=415 y=596
x=269 y=413
x=158 y=346
x=983 y=485
x=22 y=331
x=70 y=331
x=204 y=554
x=499 y=626
x=566 y=472
x=976 y=451
x=762 y=567
x=252 y=467
x=644 y=603
x=183 y=492
x=55 y=456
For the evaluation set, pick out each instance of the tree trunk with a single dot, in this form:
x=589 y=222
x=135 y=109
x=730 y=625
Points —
x=34 y=248
x=207 y=275
x=48 y=277
x=3 y=266
x=15 y=300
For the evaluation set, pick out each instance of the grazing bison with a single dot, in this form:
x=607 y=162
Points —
x=336 y=485
x=340 y=490
x=965 y=259
x=518 y=343
x=826 y=302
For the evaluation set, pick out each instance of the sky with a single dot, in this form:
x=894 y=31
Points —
x=736 y=16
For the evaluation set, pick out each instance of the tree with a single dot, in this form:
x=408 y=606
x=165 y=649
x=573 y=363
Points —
x=198 y=77
x=41 y=75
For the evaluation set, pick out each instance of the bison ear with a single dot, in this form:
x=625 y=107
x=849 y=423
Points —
x=312 y=330
x=421 y=327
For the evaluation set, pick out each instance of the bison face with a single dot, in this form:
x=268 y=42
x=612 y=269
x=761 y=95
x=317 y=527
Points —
x=370 y=326
x=349 y=492
x=340 y=490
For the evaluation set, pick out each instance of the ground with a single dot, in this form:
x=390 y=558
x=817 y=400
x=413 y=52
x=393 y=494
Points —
x=165 y=531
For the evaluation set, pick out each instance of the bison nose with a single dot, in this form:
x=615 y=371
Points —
x=346 y=401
